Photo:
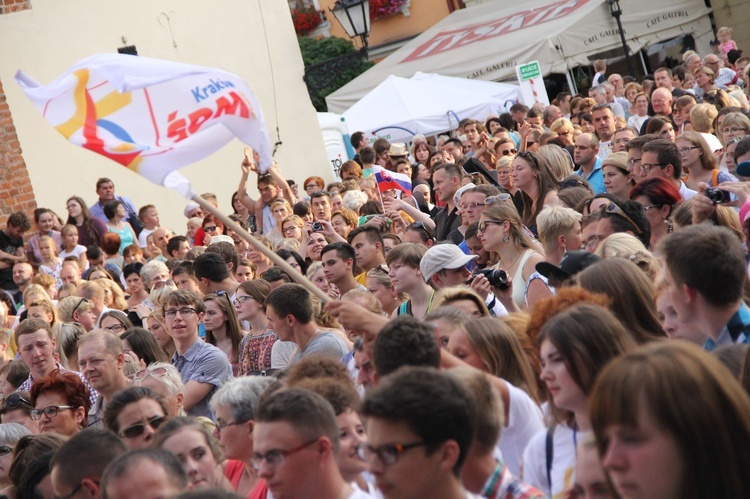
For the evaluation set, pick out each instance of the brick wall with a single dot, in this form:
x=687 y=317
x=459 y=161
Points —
x=8 y=6
x=16 y=193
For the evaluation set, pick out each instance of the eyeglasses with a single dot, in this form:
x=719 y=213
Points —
x=633 y=161
x=312 y=186
x=646 y=167
x=500 y=197
x=115 y=328
x=382 y=267
x=49 y=411
x=650 y=206
x=80 y=302
x=210 y=228
x=571 y=182
x=137 y=430
x=5 y=450
x=161 y=284
x=290 y=228
x=685 y=150
x=613 y=209
x=473 y=205
x=507 y=152
x=14 y=400
x=275 y=457
x=387 y=454
x=172 y=312
x=733 y=129
x=483 y=225
x=241 y=299
x=159 y=371
x=419 y=225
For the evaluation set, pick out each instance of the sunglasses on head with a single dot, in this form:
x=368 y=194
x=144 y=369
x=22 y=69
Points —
x=613 y=209
x=14 y=400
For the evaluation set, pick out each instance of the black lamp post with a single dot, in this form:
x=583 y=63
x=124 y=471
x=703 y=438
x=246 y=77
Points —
x=354 y=17
x=614 y=7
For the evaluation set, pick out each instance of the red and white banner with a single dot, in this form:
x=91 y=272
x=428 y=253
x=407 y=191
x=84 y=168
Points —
x=150 y=115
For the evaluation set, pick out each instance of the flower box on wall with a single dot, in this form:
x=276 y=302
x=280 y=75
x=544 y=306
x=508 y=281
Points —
x=382 y=9
x=306 y=20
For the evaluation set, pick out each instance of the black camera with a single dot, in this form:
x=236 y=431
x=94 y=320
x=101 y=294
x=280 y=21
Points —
x=496 y=278
x=317 y=226
x=718 y=196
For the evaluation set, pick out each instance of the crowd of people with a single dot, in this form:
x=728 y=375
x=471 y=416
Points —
x=556 y=308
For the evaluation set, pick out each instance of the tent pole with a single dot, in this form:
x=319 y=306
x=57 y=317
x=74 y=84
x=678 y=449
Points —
x=643 y=62
x=571 y=82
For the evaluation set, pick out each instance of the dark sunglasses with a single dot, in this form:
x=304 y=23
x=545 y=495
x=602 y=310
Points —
x=613 y=209
x=507 y=152
x=137 y=430
x=14 y=400
x=80 y=302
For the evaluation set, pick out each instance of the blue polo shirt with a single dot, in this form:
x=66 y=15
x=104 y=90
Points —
x=595 y=178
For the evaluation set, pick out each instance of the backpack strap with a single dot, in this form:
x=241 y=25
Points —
x=549 y=453
x=715 y=178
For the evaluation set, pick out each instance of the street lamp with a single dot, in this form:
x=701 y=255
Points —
x=614 y=8
x=354 y=17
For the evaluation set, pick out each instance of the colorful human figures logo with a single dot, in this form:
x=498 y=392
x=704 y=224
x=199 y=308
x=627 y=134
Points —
x=89 y=116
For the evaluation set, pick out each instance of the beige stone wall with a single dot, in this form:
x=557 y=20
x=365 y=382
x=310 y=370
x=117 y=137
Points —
x=229 y=34
x=736 y=15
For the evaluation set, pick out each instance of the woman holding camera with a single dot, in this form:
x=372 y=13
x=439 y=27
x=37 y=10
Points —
x=500 y=230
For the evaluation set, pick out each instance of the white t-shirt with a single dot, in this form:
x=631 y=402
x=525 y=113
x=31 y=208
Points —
x=524 y=421
x=77 y=251
x=143 y=235
x=563 y=460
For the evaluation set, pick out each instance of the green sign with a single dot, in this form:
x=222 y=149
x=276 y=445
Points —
x=529 y=71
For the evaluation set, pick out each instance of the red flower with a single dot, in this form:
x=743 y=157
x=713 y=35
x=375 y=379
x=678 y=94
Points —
x=305 y=20
x=380 y=9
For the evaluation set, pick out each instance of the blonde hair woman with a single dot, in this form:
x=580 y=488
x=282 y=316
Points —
x=629 y=247
x=500 y=230
x=559 y=159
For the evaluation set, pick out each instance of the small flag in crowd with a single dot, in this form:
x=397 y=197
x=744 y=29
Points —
x=389 y=180
x=150 y=115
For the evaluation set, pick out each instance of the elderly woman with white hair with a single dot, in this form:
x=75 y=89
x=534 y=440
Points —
x=235 y=405
x=10 y=433
x=165 y=380
x=559 y=232
x=154 y=274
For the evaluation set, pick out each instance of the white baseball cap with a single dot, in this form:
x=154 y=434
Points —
x=443 y=256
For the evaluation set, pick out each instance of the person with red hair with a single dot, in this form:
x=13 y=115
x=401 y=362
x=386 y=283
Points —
x=659 y=199
x=314 y=184
x=61 y=403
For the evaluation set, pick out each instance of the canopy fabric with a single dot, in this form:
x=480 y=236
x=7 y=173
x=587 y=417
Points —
x=507 y=92
x=398 y=108
x=488 y=41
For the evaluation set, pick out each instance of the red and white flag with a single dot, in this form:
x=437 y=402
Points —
x=150 y=115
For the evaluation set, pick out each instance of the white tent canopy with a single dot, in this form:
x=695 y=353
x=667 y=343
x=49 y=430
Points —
x=399 y=108
x=488 y=41
x=506 y=92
